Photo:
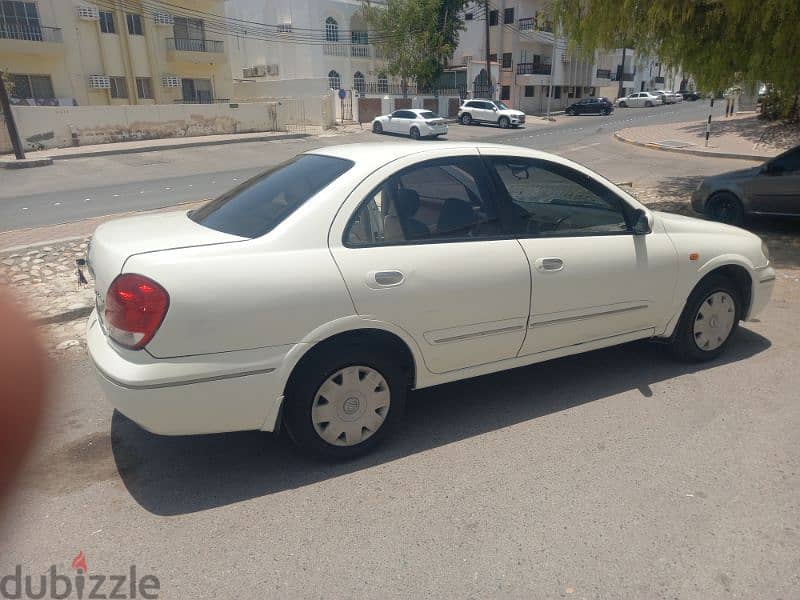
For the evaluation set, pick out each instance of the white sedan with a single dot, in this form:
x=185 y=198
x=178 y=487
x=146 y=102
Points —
x=639 y=99
x=415 y=122
x=315 y=295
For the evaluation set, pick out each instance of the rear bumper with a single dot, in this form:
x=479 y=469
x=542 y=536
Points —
x=214 y=393
x=763 y=284
x=434 y=129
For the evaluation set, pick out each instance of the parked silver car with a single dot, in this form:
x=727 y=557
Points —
x=771 y=189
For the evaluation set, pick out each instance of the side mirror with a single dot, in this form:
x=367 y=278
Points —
x=640 y=224
x=494 y=108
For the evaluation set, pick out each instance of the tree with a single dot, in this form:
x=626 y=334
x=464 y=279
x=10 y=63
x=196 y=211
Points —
x=720 y=42
x=416 y=36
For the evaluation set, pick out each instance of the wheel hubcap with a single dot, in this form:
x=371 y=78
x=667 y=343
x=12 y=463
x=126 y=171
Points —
x=350 y=406
x=714 y=321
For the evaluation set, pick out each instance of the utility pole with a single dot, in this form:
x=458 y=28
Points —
x=5 y=108
x=488 y=52
x=622 y=74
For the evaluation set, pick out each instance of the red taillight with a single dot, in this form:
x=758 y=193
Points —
x=135 y=308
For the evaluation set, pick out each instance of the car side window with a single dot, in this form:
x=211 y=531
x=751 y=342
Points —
x=554 y=200
x=472 y=104
x=788 y=162
x=438 y=200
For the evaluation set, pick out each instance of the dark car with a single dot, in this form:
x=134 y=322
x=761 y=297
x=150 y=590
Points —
x=591 y=106
x=692 y=96
x=771 y=189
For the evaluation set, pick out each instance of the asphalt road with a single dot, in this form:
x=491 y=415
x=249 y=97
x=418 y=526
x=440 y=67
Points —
x=75 y=189
x=615 y=474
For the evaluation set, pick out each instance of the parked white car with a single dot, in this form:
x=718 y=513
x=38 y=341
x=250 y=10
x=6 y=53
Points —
x=315 y=295
x=675 y=96
x=490 y=111
x=664 y=97
x=415 y=122
x=639 y=99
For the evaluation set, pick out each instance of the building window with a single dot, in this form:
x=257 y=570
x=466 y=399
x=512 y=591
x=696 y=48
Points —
x=383 y=83
x=331 y=30
x=197 y=91
x=557 y=92
x=507 y=60
x=493 y=57
x=185 y=28
x=334 y=81
x=119 y=87
x=493 y=17
x=32 y=86
x=20 y=20
x=359 y=37
x=505 y=92
x=529 y=93
x=358 y=82
x=144 y=88
x=508 y=15
x=134 y=24
x=107 y=22
x=468 y=17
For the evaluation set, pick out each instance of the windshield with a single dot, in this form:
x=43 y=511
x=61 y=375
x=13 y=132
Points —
x=261 y=203
x=428 y=115
x=501 y=105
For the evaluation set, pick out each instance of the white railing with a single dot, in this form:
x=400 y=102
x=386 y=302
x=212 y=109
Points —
x=335 y=49
x=360 y=50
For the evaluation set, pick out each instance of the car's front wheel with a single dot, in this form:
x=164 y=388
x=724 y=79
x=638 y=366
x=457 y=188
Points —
x=623 y=105
x=344 y=401
x=725 y=208
x=466 y=119
x=377 y=127
x=709 y=320
x=504 y=122
x=605 y=112
x=570 y=112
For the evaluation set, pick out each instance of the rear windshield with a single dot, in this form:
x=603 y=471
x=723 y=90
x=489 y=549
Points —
x=428 y=115
x=259 y=204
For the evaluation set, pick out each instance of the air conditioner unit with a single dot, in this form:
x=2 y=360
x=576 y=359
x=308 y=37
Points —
x=99 y=82
x=271 y=70
x=467 y=58
x=285 y=28
x=88 y=13
x=565 y=58
x=160 y=18
x=170 y=81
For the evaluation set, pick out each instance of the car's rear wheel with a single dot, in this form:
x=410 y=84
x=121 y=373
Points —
x=344 y=401
x=466 y=119
x=725 y=208
x=709 y=320
x=377 y=128
x=414 y=133
x=504 y=122
x=648 y=103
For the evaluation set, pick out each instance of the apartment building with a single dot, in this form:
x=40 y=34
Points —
x=113 y=52
x=309 y=46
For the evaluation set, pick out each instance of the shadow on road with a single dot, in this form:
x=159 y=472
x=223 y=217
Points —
x=178 y=475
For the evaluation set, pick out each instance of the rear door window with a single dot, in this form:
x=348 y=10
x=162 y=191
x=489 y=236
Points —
x=259 y=204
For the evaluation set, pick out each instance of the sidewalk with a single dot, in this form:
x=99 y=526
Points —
x=744 y=136
x=172 y=143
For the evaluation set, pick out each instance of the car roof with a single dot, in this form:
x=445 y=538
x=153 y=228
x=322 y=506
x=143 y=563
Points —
x=385 y=152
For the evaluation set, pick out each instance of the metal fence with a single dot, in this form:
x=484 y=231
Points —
x=31 y=33
x=533 y=69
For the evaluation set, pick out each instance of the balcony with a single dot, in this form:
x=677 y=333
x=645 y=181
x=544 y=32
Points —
x=533 y=69
x=195 y=51
x=345 y=49
x=603 y=74
x=34 y=40
x=534 y=24
x=659 y=79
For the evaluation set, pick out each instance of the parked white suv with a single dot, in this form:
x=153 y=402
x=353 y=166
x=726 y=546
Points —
x=489 y=111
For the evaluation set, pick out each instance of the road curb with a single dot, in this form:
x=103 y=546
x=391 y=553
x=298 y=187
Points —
x=25 y=163
x=177 y=145
x=654 y=146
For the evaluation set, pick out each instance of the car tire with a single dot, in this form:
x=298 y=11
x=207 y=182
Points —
x=623 y=105
x=466 y=119
x=353 y=409
x=570 y=112
x=725 y=207
x=709 y=320
x=414 y=133
x=605 y=112
x=648 y=104
x=504 y=122
x=377 y=128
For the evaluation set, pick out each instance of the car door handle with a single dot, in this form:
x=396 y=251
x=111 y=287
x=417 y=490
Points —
x=388 y=278
x=549 y=264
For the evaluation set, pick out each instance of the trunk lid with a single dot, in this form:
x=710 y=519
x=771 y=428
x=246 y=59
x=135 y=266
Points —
x=114 y=242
